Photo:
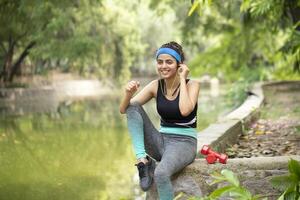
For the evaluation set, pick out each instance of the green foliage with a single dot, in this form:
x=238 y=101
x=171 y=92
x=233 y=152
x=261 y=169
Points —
x=289 y=184
x=198 y=4
x=280 y=15
x=236 y=94
x=23 y=22
x=258 y=8
x=108 y=38
x=232 y=189
x=234 y=41
x=91 y=37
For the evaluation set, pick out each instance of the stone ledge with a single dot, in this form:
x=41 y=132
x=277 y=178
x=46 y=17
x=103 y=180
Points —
x=282 y=85
x=253 y=174
x=250 y=104
x=225 y=132
x=220 y=135
x=253 y=163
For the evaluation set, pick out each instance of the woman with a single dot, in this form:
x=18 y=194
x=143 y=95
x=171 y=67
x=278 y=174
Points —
x=175 y=144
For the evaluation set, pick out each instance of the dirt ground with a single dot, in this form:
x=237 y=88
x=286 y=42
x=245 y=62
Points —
x=276 y=132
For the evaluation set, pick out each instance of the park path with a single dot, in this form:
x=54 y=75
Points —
x=276 y=132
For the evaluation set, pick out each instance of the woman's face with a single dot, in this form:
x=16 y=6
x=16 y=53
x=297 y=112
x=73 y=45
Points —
x=166 y=65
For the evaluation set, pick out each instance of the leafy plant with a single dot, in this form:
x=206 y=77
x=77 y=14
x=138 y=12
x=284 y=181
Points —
x=232 y=189
x=236 y=94
x=289 y=184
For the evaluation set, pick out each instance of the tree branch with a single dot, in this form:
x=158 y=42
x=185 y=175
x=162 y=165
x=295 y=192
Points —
x=17 y=65
x=7 y=59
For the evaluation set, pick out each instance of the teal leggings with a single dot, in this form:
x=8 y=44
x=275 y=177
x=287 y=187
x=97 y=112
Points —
x=173 y=151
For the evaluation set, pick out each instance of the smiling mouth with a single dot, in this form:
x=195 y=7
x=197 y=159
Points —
x=164 y=71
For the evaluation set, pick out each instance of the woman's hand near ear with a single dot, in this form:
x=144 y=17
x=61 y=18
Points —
x=183 y=71
x=188 y=91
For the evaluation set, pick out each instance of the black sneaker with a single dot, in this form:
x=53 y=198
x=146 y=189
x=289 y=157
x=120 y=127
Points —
x=146 y=172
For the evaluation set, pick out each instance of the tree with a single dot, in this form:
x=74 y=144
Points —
x=84 y=35
x=23 y=23
x=279 y=15
x=264 y=33
x=248 y=39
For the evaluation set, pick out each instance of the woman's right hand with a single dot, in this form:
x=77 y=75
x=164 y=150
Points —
x=132 y=87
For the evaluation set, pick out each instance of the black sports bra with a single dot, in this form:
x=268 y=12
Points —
x=169 y=112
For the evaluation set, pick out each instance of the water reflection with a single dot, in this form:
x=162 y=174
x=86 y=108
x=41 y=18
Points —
x=81 y=151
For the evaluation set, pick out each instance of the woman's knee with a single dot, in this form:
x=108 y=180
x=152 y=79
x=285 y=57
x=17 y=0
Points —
x=161 y=174
x=135 y=106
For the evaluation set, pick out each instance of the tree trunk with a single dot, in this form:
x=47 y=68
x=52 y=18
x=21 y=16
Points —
x=8 y=59
x=17 y=65
x=118 y=62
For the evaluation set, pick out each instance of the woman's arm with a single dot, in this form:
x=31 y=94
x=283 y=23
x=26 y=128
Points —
x=142 y=97
x=188 y=92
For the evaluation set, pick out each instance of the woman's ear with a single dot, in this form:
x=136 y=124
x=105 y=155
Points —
x=178 y=64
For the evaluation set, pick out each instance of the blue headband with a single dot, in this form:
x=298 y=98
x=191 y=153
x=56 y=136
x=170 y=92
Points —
x=169 y=51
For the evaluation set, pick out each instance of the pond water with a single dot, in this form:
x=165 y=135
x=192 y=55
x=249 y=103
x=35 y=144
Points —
x=82 y=151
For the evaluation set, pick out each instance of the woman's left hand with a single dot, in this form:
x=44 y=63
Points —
x=183 y=71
